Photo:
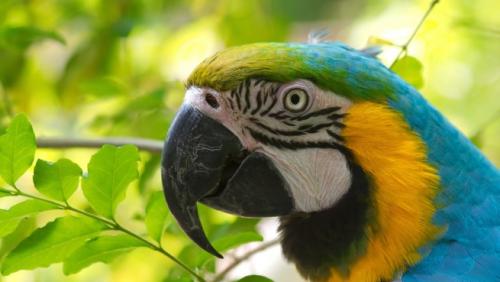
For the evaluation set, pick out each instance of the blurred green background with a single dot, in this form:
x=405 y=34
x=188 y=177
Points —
x=87 y=68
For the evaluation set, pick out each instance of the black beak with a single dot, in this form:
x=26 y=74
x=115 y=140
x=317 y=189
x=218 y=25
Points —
x=204 y=161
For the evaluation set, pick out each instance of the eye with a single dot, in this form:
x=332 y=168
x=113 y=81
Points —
x=296 y=100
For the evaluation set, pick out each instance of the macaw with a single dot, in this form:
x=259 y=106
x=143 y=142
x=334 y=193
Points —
x=371 y=183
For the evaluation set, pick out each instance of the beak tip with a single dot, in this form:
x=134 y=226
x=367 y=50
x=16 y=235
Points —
x=209 y=249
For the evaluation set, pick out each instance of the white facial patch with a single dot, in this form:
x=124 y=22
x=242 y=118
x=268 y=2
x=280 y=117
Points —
x=318 y=178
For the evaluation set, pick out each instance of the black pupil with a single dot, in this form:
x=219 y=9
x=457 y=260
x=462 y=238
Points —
x=295 y=99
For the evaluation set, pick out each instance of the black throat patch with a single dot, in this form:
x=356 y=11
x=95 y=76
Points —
x=316 y=242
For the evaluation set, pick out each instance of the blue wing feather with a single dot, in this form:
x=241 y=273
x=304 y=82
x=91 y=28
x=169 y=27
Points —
x=469 y=199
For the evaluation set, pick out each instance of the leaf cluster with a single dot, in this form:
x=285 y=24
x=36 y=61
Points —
x=78 y=237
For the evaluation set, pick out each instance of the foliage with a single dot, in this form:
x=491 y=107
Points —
x=89 y=237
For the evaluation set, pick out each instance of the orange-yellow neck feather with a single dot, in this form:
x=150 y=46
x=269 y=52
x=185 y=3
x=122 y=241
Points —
x=404 y=186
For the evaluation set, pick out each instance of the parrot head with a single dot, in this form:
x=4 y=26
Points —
x=304 y=132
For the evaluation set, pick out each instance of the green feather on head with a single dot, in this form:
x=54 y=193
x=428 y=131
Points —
x=331 y=66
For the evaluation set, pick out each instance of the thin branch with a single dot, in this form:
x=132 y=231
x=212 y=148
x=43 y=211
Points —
x=152 y=146
x=264 y=246
x=404 y=48
x=111 y=224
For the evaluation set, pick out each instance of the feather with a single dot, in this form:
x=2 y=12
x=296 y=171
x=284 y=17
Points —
x=371 y=51
x=469 y=198
x=317 y=36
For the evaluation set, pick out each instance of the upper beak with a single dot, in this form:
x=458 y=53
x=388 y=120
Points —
x=204 y=161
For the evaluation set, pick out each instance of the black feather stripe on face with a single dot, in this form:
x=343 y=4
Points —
x=294 y=145
x=259 y=108
x=316 y=242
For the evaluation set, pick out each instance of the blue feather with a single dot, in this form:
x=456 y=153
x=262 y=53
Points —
x=469 y=199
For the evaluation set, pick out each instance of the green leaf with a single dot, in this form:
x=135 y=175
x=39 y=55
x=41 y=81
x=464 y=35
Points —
x=17 y=149
x=236 y=239
x=57 y=180
x=237 y=226
x=156 y=215
x=255 y=278
x=24 y=36
x=51 y=244
x=102 y=249
x=9 y=219
x=410 y=69
x=23 y=230
x=110 y=171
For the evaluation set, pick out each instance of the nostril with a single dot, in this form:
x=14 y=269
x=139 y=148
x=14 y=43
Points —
x=211 y=101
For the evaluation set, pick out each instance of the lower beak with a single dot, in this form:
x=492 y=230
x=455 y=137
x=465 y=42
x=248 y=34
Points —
x=205 y=162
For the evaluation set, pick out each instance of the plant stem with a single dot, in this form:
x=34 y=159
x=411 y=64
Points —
x=404 y=47
x=264 y=246
x=152 y=146
x=111 y=224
